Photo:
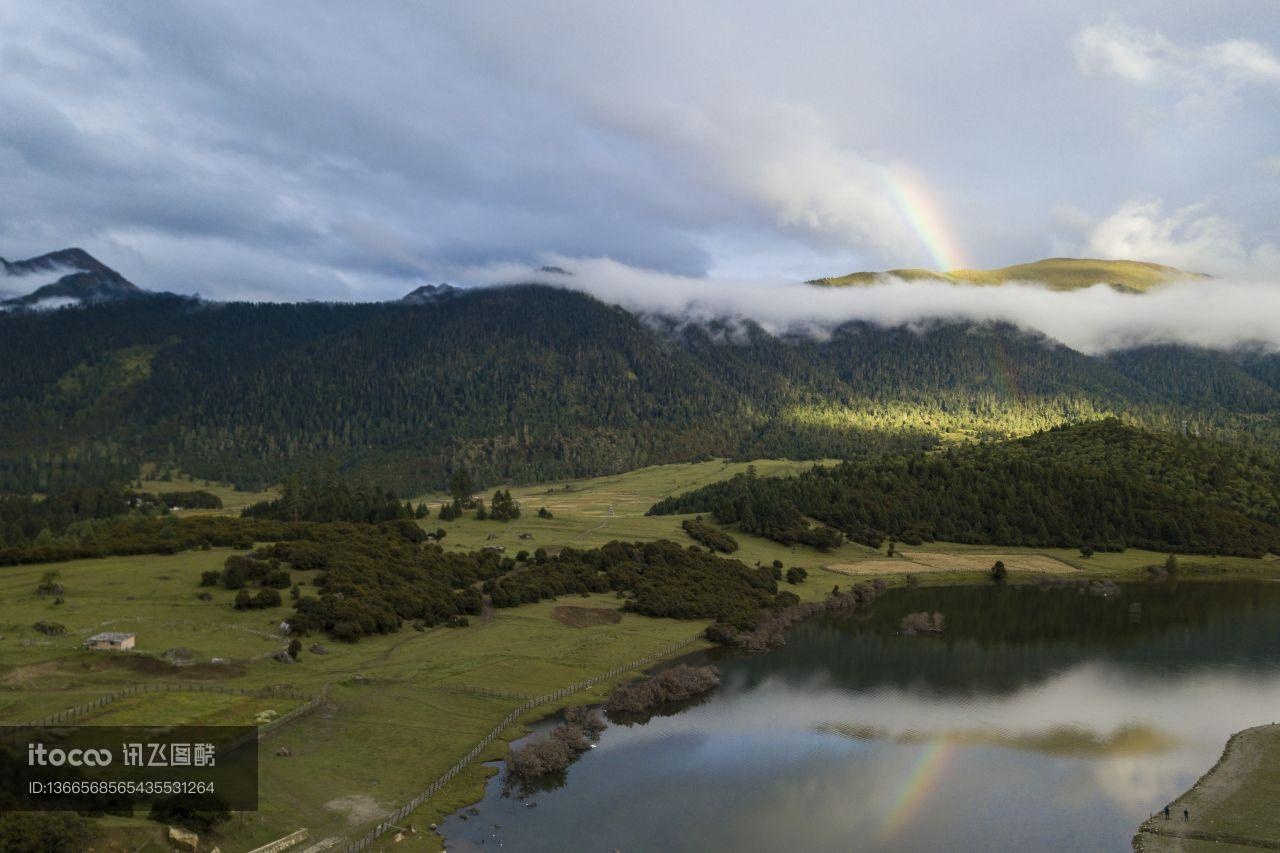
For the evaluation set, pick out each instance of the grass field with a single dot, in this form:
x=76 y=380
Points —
x=233 y=500
x=401 y=709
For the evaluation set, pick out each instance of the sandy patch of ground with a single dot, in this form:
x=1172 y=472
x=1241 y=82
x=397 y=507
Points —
x=357 y=808
x=929 y=561
x=585 y=617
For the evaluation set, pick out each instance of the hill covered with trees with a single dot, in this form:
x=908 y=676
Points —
x=532 y=383
x=1100 y=485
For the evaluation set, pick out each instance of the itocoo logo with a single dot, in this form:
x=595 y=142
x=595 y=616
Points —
x=39 y=754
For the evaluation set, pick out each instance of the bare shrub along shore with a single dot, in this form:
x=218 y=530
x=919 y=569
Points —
x=581 y=727
x=914 y=624
x=671 y=685
x=555 y=753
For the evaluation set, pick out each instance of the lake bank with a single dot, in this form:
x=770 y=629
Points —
x=1042 y=716
x=1232 y=806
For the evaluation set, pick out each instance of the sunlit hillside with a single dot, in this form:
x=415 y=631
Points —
x=1057 y=273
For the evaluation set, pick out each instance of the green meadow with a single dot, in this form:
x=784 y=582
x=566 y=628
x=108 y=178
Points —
x=399 y=710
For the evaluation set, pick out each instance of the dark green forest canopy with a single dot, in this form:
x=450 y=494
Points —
x=1103 y=484
x=530 y=383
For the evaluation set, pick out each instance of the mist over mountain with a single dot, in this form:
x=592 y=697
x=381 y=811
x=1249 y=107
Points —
x=1091 y=306
x=65 y=277
x=429 y=293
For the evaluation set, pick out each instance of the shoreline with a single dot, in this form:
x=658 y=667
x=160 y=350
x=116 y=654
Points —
x=1233 y=805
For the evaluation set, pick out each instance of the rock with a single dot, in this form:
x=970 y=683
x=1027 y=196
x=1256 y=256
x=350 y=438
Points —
x=184 y=839
x=284 y=752
x=317 y=649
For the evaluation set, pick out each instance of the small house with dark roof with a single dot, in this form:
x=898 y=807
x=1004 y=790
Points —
x=111 y=641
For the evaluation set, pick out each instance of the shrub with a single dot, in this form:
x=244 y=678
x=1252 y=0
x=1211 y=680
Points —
x=670 y=685
x=796 y=574
x=712 y=537
x=49 y=584
x=914 y=624
x=277 y=579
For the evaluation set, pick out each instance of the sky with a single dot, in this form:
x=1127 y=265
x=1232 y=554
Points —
x=293 y=151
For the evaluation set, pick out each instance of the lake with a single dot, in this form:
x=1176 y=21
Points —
x=1041 y=719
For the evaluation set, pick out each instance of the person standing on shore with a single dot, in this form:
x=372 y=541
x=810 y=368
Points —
x=1166 y=812
x=1186 y=815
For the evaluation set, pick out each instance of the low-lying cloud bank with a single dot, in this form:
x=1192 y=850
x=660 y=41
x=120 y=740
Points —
x=1215 y=313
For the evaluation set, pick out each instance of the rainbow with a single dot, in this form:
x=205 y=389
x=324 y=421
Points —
x=925 y=216
x=917 y=785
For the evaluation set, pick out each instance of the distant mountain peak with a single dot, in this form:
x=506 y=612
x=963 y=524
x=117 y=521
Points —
x=1055 y=273
x=65 y=277
x=429 y=293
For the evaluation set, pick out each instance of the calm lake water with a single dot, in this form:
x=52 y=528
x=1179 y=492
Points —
x=1040 y=720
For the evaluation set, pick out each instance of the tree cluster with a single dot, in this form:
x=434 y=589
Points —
x=713 y=537
x=1103 y=484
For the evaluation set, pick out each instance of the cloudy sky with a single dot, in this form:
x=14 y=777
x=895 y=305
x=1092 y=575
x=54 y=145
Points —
x=354 y=151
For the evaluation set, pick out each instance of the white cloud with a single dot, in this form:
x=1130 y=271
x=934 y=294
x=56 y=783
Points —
x=1204 y=76
x=1188 y=238
x=1216 y=313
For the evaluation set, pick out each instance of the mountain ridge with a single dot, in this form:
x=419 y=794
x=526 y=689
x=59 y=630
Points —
x=1055 y=273
x=82 y=279
x=536 y=383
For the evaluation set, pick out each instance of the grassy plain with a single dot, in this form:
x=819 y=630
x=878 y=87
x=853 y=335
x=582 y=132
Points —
x=400 y=709
x=233 y=500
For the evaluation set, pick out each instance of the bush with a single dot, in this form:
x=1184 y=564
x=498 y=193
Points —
x=543 y=512
x=178 y=810
x=278 y=579
x=712 y=537
x=914 y=624
x=552 y=755
x=49 y=584
x=670 y=685
x=50 y=629
x=998 y=572
x=796 y=574
x=45 y=832
x=210 y=578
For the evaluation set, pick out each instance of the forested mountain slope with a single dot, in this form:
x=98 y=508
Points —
x=1100 y=484
x=532 y=383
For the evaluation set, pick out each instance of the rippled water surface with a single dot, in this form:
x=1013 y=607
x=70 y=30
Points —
x=1040 y=720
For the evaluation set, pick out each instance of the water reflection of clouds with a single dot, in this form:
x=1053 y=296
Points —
x=1138 y=741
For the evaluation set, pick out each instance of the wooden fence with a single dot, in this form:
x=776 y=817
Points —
x=391 y=822
x=192 y=687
